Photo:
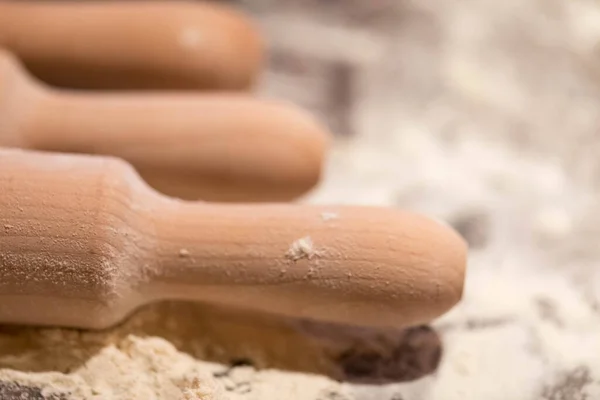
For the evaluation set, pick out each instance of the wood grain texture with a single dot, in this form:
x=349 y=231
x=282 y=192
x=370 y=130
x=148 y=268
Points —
x=85 y=242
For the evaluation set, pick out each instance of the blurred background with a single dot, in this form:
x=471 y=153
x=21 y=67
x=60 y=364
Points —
x=484 y=114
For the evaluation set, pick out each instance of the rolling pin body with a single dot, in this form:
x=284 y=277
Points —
x=222 y=146
x=84 y=242
x=132 y=44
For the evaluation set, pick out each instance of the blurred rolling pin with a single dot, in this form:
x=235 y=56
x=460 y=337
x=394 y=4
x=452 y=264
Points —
x=219 y=146
x=84 y=242
x=133 y=44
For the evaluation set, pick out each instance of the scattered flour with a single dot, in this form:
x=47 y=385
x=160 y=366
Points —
x=184 y=253
x=100 y=366
x=134 y=368
x=203 y=390
x=328 y=216
x=301 y=248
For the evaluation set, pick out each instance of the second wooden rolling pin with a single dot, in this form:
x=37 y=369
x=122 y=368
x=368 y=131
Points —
x=222 y=147
x=84 y=242
x=133 y=44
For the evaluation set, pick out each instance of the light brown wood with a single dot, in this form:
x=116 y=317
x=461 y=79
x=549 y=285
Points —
x=221 y=146
x=133 y=44
x=83 y=242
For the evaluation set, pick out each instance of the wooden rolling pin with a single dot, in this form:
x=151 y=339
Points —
x=133 y=44
x=223 y=147
x=84 y=242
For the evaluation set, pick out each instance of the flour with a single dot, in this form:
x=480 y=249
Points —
x=133 y=368
x=184 y=253
x=142 y=368
x=329 y=216
x=301 y=248
x=137 y=368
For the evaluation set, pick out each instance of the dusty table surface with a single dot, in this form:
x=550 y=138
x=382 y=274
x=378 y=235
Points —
x=484 y=114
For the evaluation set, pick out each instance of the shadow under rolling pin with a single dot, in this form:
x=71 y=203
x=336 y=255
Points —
x=84 y=242
x=218 y=146
x=133 y=44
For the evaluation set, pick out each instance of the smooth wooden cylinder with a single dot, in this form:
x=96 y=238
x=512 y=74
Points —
x=84 y=242
x=220 y=146
x=133 y=44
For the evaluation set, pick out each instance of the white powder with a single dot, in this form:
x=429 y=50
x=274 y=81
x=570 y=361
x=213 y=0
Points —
x=133 y=368
x=301 y=248
x=328 y=216
x=184 y=253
